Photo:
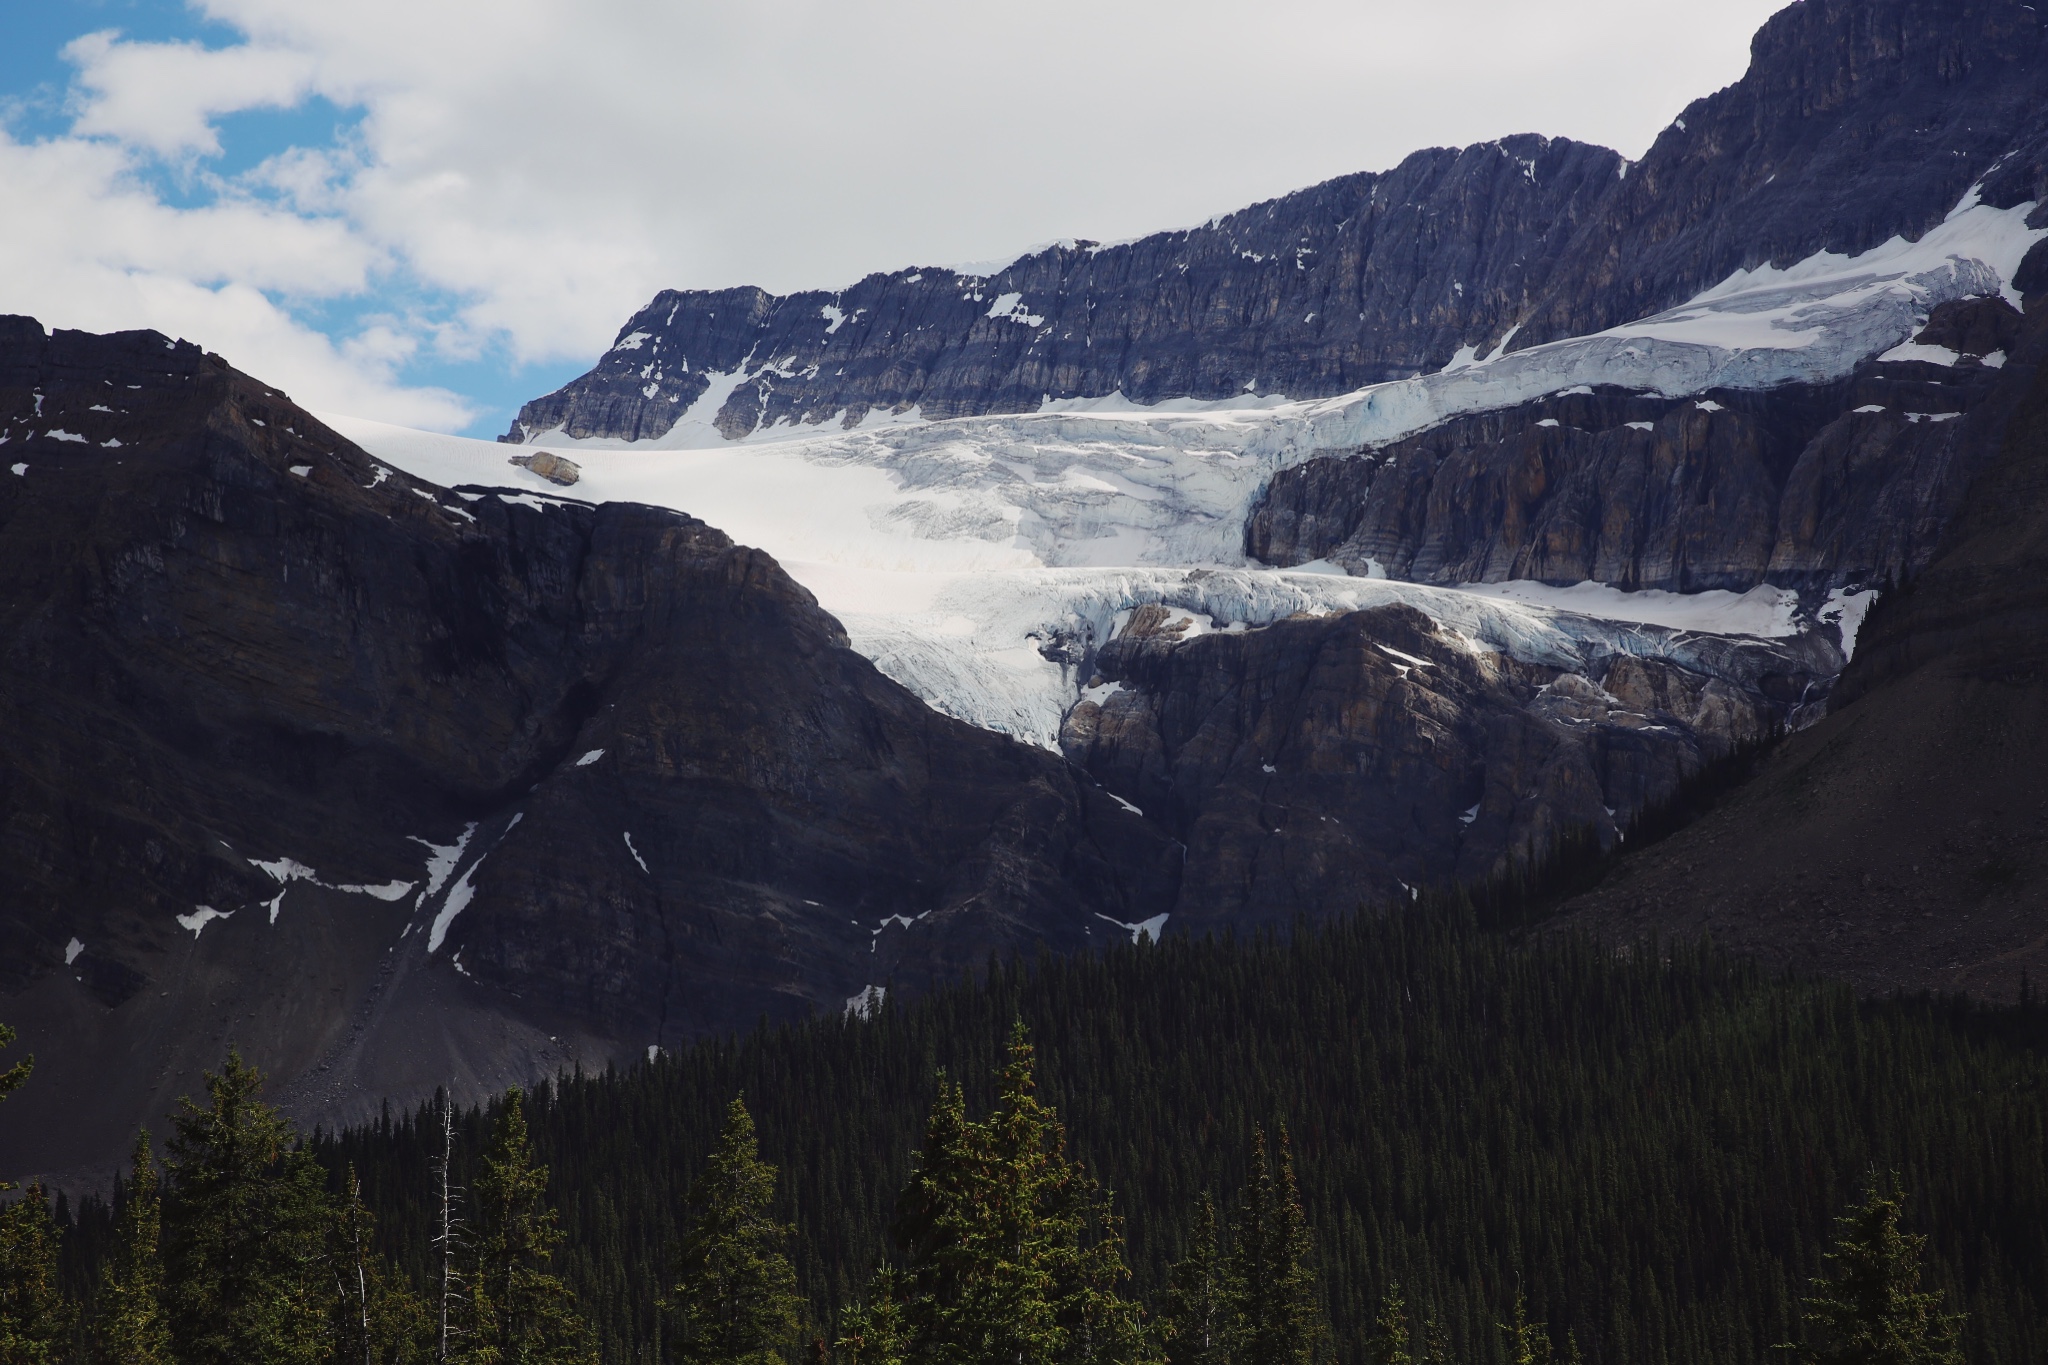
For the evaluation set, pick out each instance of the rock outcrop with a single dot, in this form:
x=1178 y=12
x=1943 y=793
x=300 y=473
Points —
x=397 y=786
x=1323 y=763
x=1807 y=487
x=1858 y=121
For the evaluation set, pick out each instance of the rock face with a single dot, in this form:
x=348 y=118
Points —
x=1858 y=120
x=1902 y=842
x=1808 y=487
x=1319 y=764
x=398 y=786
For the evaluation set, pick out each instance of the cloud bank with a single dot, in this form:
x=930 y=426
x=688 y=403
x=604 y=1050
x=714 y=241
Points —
x=512 y=178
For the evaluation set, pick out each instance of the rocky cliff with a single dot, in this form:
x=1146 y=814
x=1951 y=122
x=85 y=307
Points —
x=1858 y=121
x=1804 y=486
x=1900 y=842
x=396 y=785
x=1321 y=764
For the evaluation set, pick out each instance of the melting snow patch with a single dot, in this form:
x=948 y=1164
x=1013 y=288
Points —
x=1928 y=355
x=459 y=897
x=20 y=471
x=201 y=916
x=302 y=470
x=442 y=861
x=1549 y=422
x=1125 y=804
x=1011 y=306
x=59 y=435
x=864 y=1005
x=633 y=342
x=834 y=319
x=590 y=758
x=636 y=854
x=99 y=407
x=72 y=950
x=1708 y=405
x=1932 y=416
x=1469 y=816
x=1868 y=408
x=1846 y=610
x=286 y=870
x=389 y=891
x=1148 y=928
x=111 y=443
x=1995 y=361
x=653 y=1051
x=1409 y=658
x=1642 y=426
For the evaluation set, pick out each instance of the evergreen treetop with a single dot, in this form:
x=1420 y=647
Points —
x=735 y=1298
x=1872 y=1311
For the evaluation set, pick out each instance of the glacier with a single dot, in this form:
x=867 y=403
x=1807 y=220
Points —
x=979 y=560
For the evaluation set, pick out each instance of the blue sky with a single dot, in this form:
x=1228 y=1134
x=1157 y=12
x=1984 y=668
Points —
x=428 y=211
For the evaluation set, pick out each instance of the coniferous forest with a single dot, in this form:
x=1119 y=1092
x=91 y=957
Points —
x=1393 y=1138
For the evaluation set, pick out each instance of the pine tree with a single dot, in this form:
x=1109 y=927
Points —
x=516 y=1312
x=132 y=1328
x=735 y=1301
x=1200 y=1323
x=1391 y=1338
x=245 y=1227
x=35 y=1321
x=1872 y=1311
x=1270 y=1265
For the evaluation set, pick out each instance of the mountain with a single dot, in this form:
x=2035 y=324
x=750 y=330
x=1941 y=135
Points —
x=1858 y=121
x=1899 y=842
x=396 y=786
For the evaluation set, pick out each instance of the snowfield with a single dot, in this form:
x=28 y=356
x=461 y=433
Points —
x=979 y=560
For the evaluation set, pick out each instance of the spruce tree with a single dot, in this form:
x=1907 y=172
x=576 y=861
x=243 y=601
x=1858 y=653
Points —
x=132 y=1327
x=1199 y=1322
x=1012 y=1252
x=735 y=1299
x=245 y=1226
x=1527 y=1343
x=12 y=1079
x=873 y=1332
x=515 y=1312
x=1872 y=1311
x=1270 y=1265
x=1391 y=1340
x=35 y=1321
x=379 y=1320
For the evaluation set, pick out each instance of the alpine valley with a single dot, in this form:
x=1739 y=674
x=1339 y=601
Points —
x=1378 y=541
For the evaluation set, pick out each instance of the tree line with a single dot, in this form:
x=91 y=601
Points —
x=1008 y=1253
x=1400 y=1139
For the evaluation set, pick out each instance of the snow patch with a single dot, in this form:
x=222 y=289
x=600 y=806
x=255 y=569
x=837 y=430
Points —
x=57 y=434
x=302 y=470
x=864 y=1005
x=1845 y=610
x=202 y=916
x=72 y=950
x=590 y=758
x=636 y=854
x=1145 y=928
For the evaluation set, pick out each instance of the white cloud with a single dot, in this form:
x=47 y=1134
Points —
x=549 y=165
x=165 y=96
